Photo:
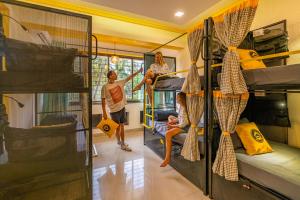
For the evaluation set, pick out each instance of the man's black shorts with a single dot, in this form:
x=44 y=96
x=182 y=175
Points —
x=119 y=117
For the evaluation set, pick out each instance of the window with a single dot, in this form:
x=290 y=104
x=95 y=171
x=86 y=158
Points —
x=124 y=68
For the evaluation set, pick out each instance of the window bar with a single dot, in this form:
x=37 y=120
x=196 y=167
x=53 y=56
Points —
x=132 y=79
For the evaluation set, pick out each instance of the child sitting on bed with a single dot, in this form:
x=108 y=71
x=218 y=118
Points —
x=156 y=69
x=176 y=126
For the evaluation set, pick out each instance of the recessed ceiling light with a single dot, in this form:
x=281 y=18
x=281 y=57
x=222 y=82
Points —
x=179 y=14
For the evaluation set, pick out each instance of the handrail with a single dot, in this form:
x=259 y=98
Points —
x=275 y=55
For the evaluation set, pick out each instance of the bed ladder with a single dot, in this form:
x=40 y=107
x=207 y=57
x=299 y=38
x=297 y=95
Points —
x=146 y=106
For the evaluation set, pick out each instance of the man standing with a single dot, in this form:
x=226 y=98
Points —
x=113 y=93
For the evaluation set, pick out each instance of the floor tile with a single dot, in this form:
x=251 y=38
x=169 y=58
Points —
x=136 y=175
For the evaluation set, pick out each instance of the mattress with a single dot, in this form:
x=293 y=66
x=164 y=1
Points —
x=36 y=81
x=170 y=84
x=160 y=127
x=173 y=83
x=13 y=172
x=281 y=77
x=278 y=171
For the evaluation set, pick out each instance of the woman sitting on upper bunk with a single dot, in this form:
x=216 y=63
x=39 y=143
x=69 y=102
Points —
x=176 y=125
x=156 y=69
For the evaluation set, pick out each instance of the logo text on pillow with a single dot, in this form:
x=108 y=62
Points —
x=253 y=54
x=106 y=128
x=257 y=135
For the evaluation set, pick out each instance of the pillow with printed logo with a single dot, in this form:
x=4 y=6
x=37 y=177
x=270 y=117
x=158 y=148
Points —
x=252 y=139
x=108 y=126
x=248 y=54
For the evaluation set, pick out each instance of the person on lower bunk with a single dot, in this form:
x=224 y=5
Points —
x=176 y=126
x=156 y=69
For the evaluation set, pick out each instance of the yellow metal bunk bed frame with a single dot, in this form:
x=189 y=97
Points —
x=146 y=104
x=147 y=115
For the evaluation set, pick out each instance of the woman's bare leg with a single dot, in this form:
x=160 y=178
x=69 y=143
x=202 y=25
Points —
x=149 y=92
x=138 y=86
x=169 y=135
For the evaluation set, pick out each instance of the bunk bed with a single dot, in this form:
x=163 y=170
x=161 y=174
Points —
x=271 y=175
x=155 y=140
x=155 y=128
x=266 y=176
x=52 y=153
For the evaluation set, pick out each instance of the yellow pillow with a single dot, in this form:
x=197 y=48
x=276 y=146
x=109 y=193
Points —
x=108 y=126
x=248 y=54
x=252 y=139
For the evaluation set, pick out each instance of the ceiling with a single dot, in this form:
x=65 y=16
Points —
x=162 y=10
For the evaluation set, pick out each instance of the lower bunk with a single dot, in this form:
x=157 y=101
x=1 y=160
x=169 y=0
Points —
x=193 y=171
x=270 y=176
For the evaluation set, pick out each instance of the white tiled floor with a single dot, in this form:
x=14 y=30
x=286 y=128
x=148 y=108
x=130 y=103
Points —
x=136 y=175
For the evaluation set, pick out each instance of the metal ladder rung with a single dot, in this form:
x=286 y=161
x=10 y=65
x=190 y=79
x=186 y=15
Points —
x=147 y=115
x=147 y=105
x=146 y=126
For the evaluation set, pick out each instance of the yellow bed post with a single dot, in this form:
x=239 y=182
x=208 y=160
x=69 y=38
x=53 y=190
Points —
x=5 y=22
x=147 y=115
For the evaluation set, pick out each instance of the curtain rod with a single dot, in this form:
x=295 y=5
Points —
x=168 y=42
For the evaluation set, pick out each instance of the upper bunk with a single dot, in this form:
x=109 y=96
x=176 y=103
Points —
x=284 y=77
x=263 y=58
x=35 y=68
x=40 y=57
x=171 y=83
x=39 y=82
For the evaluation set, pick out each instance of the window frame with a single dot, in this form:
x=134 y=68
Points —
x=132 y=58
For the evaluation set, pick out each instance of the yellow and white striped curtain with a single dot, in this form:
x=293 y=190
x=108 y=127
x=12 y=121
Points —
x=195 y=97
x=229 y=109
x=231 y=28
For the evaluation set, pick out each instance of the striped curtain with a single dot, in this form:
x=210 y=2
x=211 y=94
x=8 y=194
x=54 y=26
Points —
x=229 y=109
x=195 y=97
x=231 y=28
